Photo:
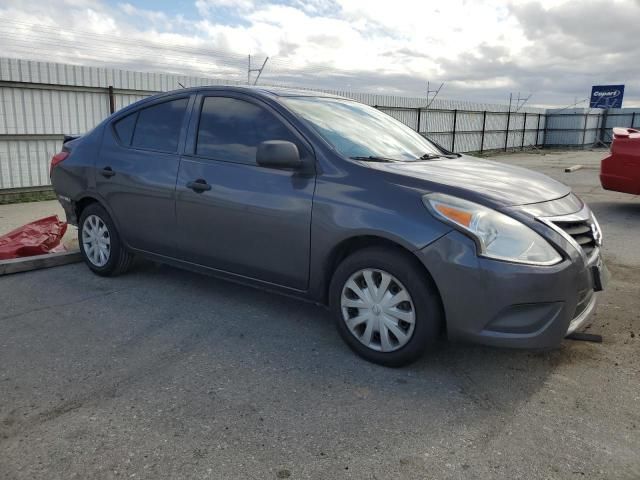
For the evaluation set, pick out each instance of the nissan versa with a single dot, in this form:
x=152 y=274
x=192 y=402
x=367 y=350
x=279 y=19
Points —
x=328 y=199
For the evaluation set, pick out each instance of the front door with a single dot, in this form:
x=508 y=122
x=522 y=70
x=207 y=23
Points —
x=233 y=215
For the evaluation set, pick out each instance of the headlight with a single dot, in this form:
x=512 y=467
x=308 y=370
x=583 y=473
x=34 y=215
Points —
x=497 y=235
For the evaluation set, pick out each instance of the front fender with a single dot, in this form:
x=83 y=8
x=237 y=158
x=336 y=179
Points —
x=343 y=212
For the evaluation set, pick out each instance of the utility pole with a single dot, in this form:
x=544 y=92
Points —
x=429 y=102
x=506 y=132
x=259 y=70
x=524 y=101
x=435 y=93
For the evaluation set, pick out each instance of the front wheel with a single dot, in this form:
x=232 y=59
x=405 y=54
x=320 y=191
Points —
x=100 y=243
x=385 y=305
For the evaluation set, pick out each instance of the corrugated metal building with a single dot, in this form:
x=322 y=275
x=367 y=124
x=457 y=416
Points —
x=42 y=101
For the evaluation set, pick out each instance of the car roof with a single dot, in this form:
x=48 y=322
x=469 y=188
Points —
x=273 y=92
x=294 y=92
x=260 y=90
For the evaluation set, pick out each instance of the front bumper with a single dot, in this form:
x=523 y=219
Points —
x=506 y=304
x=578 y=321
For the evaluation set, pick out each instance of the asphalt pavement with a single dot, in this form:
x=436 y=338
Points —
x=166 y=374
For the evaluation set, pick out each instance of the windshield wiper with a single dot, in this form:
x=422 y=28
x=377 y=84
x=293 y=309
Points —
x=447 y=153
x=433 y=156
x=373 y=158
x=429 y=156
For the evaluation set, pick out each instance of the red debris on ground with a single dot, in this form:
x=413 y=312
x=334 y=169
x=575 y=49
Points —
x=35 y=238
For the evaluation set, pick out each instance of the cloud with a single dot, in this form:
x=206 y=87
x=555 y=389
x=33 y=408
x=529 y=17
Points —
x=209 y=7
x=483 y=49
x=155 y=19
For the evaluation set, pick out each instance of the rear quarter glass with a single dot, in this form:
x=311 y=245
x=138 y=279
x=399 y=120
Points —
x=124 y=128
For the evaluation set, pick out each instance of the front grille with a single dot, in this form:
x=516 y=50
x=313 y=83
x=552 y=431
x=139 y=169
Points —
x=582 y=232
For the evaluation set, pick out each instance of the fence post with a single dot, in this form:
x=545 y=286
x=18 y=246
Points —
x=506 y=133
x=524 y=131
x=418 y=126
x=484 y=122
x=453 y=138
x=112 y=100
x=603 y=126
x=537 y=131
x=584 y=129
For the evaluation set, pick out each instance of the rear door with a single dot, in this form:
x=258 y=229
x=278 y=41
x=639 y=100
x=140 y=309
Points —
x=137 y=169
x=250 y=220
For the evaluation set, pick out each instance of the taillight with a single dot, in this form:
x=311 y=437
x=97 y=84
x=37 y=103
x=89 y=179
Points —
x=57 y=159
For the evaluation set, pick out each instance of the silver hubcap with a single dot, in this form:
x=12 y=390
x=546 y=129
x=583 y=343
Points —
x=378 y=310
x=96 y=240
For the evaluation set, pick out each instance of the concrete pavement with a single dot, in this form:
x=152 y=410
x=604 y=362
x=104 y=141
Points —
x=163 y=373
x=15 y=215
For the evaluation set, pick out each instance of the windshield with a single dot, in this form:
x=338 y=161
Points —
x=357 y=130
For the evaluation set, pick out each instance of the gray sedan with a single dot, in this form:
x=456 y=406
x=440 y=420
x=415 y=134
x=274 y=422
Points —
x=330 y=200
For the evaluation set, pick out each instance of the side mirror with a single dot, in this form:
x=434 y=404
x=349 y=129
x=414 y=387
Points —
x=278 y=154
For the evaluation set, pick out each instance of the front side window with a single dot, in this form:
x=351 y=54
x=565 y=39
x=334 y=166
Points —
x=231 y=130
x=357 y=130
x=158 y=127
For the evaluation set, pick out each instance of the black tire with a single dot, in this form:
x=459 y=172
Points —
x=428 y=316
x=119 y=259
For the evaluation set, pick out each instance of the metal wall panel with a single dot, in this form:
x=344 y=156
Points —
x=623 y=117
x=124 y=100
x=443 y=139
x=437 y=121
x=51 y=99
x=31 y=71
x=468 y=121
x=407 y=116
x=494 y=141
x=25 y=163
x=468 y=142
x=30 y=111
x=573 y=127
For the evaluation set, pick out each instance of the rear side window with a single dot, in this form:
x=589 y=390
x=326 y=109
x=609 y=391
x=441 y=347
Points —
x=124 y=128
x=231 y=129
x=158 y=127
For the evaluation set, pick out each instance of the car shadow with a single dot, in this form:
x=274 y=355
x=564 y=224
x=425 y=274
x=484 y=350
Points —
x=288 y=335
x=216 y=353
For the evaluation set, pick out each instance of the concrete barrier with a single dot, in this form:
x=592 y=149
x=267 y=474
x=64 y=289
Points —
x=25 y=264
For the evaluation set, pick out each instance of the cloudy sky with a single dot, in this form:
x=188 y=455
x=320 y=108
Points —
x=483 y=50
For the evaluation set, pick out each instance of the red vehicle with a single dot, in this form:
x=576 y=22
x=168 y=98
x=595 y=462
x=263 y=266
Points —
x=620 y=171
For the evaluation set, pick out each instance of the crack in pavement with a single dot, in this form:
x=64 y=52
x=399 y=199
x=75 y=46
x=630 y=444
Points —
x=73 y=302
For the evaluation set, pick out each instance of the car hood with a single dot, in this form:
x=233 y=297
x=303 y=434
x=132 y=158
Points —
x=503 y=184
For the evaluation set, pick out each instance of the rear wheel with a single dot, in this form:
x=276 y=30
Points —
x=100 y=243
x=385 y=305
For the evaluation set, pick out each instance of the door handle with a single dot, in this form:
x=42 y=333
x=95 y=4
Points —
x=199 y=185
x=107 y=172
